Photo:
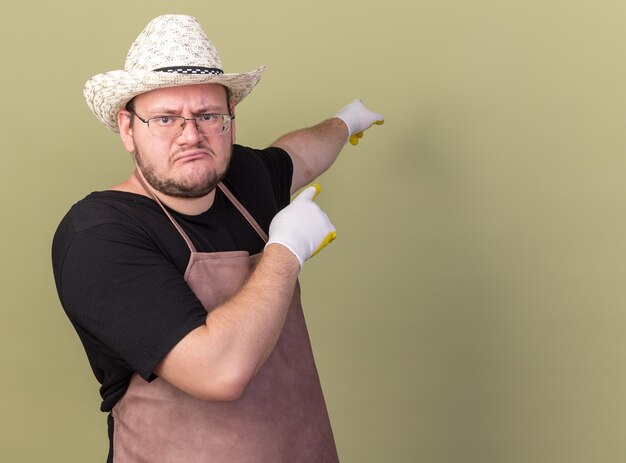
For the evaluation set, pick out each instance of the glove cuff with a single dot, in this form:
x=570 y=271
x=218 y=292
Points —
x=300 y=261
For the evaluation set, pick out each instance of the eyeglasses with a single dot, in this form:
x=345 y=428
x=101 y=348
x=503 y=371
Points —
x=173 y=126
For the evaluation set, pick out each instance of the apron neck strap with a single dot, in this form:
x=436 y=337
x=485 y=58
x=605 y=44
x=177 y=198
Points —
x=242 y=210
x=145 y=186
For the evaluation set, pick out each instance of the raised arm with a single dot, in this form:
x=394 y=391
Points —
x=314 y=149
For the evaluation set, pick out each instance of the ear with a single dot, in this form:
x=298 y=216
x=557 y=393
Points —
x=126 y=132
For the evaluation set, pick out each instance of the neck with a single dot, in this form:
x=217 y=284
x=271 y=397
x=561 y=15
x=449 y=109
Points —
x=187 y=206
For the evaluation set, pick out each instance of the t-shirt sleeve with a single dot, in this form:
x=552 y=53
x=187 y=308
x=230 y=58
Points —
x=280 y=167
x=125 y=296
x=259 y=166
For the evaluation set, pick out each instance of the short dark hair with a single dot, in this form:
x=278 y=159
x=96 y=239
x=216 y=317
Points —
x=130 y=107
x=228 y=100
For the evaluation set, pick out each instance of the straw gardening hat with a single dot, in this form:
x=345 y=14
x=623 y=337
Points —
x=171 y=51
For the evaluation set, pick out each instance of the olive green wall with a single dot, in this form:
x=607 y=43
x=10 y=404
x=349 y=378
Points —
x=473 y=307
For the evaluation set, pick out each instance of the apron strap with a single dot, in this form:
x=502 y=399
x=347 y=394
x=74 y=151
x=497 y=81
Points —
x=243 y=211
x=192 y=248
x=228 y=195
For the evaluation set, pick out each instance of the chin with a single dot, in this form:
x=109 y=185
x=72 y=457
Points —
x=195 y=189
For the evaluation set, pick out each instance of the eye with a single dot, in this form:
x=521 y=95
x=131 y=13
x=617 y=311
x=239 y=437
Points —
x=163 y=121
x=208 y=117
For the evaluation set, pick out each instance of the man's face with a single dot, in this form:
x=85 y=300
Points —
x=190 y=165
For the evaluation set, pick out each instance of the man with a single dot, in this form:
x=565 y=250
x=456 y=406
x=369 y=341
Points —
x=182 y=281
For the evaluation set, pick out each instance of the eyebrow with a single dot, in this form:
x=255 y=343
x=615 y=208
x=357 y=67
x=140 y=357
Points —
x=210 y=109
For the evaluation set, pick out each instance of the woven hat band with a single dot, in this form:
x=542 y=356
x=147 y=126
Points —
x=191 y=70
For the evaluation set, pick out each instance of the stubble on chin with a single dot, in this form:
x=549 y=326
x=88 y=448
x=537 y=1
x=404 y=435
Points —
x=178 y=188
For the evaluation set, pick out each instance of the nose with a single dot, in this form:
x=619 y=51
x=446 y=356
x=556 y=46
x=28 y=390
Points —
x=189 y=131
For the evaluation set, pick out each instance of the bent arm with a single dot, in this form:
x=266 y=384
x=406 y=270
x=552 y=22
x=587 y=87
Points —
x=216 y=361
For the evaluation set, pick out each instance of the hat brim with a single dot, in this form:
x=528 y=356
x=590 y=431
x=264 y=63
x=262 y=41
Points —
x=106 y=94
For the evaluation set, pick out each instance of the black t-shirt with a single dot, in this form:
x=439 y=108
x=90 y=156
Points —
x=119 y=263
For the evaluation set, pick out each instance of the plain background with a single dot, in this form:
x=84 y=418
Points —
x=473 y=307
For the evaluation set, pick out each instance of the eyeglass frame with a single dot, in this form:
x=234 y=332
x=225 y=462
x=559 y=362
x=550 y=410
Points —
x=183 y=124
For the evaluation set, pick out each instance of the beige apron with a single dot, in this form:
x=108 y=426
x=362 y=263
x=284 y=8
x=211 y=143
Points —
x=281 y=416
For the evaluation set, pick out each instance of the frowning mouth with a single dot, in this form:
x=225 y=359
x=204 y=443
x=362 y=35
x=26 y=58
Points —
x=191 y=156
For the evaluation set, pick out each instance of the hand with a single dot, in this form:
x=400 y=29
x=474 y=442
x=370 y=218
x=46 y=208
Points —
x=302 y=227
x=358 y=119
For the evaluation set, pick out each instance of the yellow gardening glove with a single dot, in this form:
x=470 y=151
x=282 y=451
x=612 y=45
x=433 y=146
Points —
x=358 y=119
x=302 y=226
